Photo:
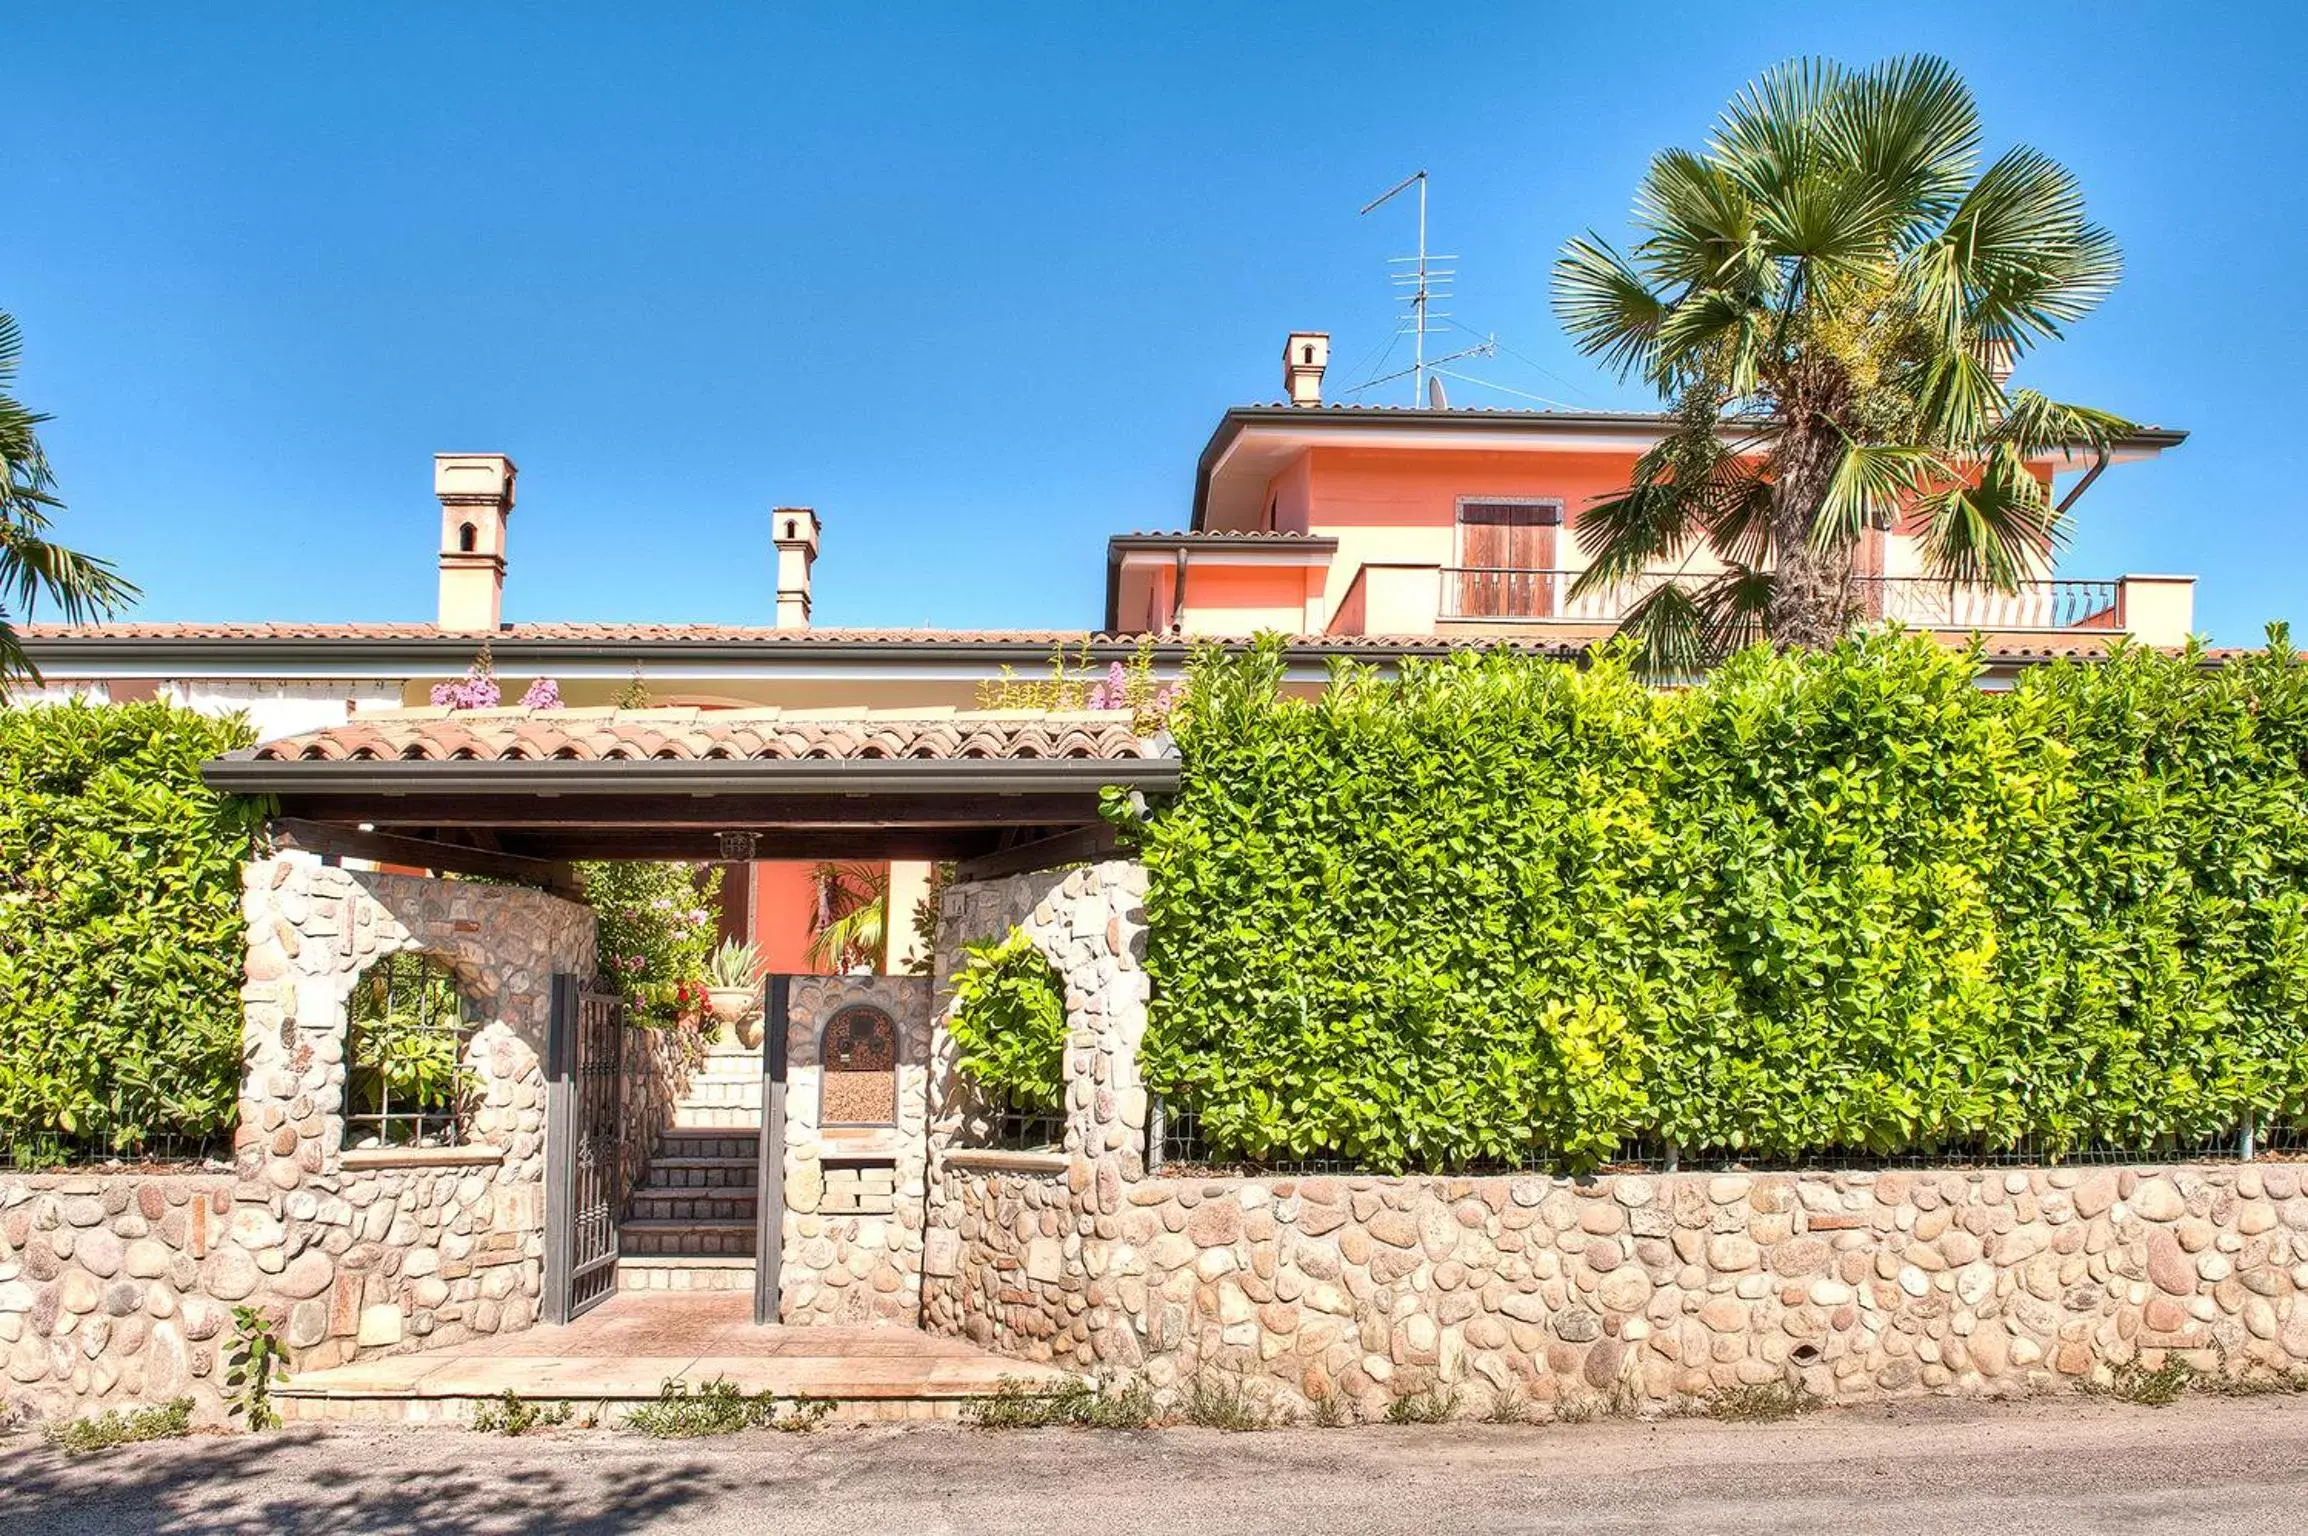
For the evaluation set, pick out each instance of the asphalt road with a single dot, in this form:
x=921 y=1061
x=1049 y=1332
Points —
x=2220 y=1466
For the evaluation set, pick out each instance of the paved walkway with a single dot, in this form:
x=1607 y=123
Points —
x=2235 y=1468
x=631 y=1344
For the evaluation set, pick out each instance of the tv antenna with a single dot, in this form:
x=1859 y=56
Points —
x=1422 y=282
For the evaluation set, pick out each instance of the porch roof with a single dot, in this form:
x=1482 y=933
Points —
x=518 y=792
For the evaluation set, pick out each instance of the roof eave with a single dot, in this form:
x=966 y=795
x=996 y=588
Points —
x=244 y=773
x=1338 y=418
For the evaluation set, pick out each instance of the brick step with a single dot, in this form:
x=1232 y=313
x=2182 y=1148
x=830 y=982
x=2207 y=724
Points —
x=671 y=1173
x=732 y=1061
x=653 y=1204
x=684 y=1144
x=729 y=1239
x=672 y=1272
x=719 y=1091
x=717 y=1117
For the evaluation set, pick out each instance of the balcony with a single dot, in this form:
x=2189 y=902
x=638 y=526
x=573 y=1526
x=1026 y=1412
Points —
x=2156 y=609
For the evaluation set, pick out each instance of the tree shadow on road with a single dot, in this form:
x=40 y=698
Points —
x=240 y=1483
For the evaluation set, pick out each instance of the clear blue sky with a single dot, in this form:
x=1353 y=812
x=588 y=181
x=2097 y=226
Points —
x=975 y=285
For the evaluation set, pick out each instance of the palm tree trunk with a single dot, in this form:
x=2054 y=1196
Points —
x=1809 y=587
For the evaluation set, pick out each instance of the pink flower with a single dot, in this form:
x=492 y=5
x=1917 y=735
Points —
x=475 y=690
x=544 y=693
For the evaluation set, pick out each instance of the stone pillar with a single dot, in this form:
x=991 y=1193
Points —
x=1090 y=923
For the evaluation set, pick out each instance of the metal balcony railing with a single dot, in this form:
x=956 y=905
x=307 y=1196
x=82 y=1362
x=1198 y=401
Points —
x=1919 y=602
x=1922 y=602
x=1491 y=592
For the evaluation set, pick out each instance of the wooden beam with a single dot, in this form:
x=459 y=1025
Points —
x=1077 y=846
x=510 y=813
x=420 y=853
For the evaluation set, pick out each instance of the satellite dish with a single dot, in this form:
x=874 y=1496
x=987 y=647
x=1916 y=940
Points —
x=1434 y=393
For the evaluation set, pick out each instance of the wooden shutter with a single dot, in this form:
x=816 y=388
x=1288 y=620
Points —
x=1506 y=549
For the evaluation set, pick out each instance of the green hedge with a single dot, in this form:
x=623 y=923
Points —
x=1509 y=909
x=120 y=927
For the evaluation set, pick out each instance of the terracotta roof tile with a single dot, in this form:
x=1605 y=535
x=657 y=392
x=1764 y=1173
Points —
x=747 y=735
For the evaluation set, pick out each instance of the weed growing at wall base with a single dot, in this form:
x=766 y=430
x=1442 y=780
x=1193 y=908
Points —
x=721 y=1407
x=1504 y=910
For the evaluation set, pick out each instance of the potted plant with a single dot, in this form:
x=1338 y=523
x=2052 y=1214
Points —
x=733 y=984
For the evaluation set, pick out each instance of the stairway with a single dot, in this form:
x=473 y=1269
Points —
x=690 y=1225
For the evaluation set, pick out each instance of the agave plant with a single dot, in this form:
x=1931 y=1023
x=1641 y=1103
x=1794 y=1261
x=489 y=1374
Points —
x=733 y=964
x=1831 y=295
x=32 y=566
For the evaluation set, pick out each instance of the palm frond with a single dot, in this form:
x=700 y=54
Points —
x=1959 y=401
x=1871 y=483
x=81 y=586
x=2018 y=260
x=1679 y=629
x=1997 y=531
x=1624 y=535
x=1739 y=507
x=849 y=920
x=2037 y=425
x=14 y=663
x=1773 y=132
x=1603 y=302
x=1733 y=607
x=1910 y=127
x=1669 y=634
x=1716 y=332
x=1699 y=227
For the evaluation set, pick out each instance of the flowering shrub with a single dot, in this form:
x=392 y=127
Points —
x=656 y=925
x=1129 y=685
x=478 y=689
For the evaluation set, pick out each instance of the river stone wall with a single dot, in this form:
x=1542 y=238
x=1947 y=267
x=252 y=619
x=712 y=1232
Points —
x=1632 y=1289
x=1017 y=1259
x=117 y=1287
x=854 y=1193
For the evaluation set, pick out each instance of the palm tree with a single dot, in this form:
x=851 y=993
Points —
x=849 y=920
x=33 y=566
x=1831 y=300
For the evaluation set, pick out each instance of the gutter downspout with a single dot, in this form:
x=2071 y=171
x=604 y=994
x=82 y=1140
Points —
x=2084 y=484
x=1178 y=595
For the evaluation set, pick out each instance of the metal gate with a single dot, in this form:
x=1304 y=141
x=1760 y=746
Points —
x=585 y=1163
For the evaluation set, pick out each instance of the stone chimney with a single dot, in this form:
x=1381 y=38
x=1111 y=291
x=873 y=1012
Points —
x=1304 y=357
x=794 y=531
x=476 y=492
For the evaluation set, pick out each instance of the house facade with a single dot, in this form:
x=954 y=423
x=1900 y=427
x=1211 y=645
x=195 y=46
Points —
x=1463 y=525
x=1374 y=533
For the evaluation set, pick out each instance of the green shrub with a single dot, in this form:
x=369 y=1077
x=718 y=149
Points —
x=1506 y=909
x=1009 y=1024
x=121 y=937
x=655 y=926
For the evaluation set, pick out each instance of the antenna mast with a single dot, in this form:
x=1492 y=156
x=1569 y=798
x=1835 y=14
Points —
x=1423 y=282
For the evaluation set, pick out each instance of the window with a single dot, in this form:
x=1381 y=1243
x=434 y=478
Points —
x=859 y=1060
x=406 y=1084
x=468 y=537
x=1506 y=559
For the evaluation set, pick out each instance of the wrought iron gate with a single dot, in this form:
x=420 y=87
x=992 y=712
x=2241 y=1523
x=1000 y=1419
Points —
x=585 y=1163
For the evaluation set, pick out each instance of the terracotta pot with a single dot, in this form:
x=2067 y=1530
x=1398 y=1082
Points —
x=734 y=1005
